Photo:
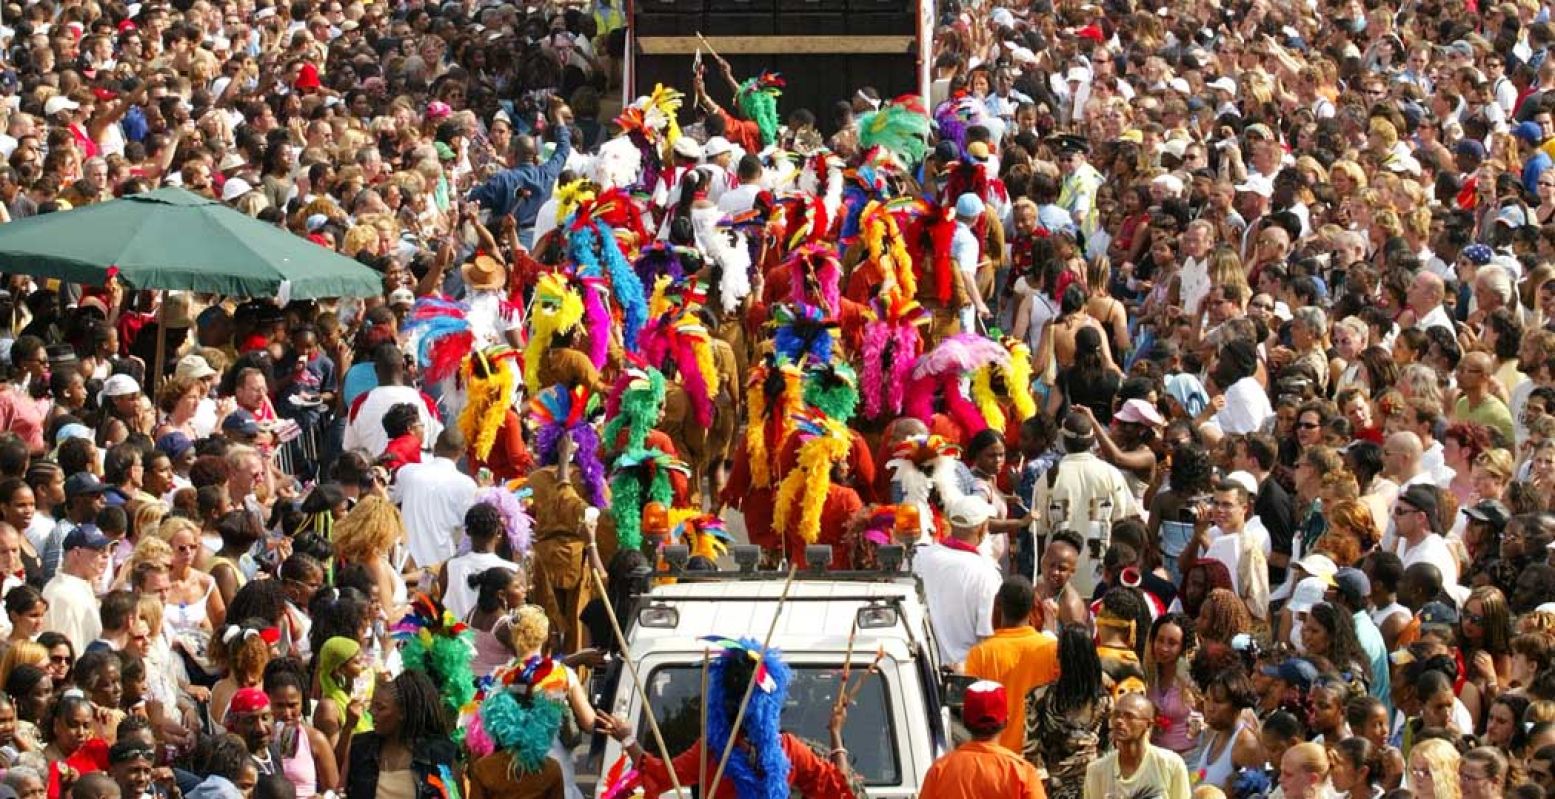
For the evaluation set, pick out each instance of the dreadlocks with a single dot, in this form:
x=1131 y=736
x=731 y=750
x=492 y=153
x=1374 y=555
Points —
x=1223 y=615
x=420 y=706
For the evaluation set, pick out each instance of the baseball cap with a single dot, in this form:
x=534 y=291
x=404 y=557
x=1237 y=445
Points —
x=1423 y=499
x=120 y=386
x=969 y=511
x=1257 y=184
x=234 y=188
x=1245 y=480
x=193 y=367
x=58 y=103
x=1353 y=585
x=1308 y=592
x=1511 y=215
x=174 y=444
x=240 y=423
x=1529 y=132
x=716 y=146
x=969 y=206
x=1490 y=512
x=72 y=430
x=687 y=147
x=1437 y=614
x=402 y=296
x=1319 y=566
x=83 y=484
x=1138 y=411
x=1223 y=84
x=1469 y=147
x=87 y=535
x=977 y=151
x=1297 y=671
x=985 y=708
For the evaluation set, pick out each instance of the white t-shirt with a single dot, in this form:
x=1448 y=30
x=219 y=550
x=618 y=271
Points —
x=365 y=428
x=459 y=598
x=433 y=496
x=959 y=589
x=1247 y=408
x=1432 y=549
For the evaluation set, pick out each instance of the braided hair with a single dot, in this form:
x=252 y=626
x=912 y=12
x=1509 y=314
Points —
x=420 y=706
x=1129 y=605
x=1079 y=670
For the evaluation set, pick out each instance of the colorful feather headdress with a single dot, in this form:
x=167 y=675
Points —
x=661 y=259
x=677 y=339
x=592 y=245
x=953 y=116
x=764 y=773
x=900 y=126
x=929 y=231
x=570 y=195
x=434 y=642
x=509 y=500
x=1015 y=381
x=823 y=177
x=774 y=395
x=523 y=711
x=729 y=251
x=654 y=116
x=832 y=389
x=491 y=384
x=557 y=309
x=803 y=331
x=442 y=335
x=924 y=465
x=704 y=533
x=816 y=277
x=757 y=100
x=885 y=248
x=892 y=344
x=642 y=475
x=943 y=367
x=634 y=405
x=557 y=412
x=823 y=442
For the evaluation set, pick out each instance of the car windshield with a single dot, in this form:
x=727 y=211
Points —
x=870 y=736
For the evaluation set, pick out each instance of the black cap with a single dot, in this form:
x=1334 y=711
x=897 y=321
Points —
x=1423 y=498
x=1490 y=512
x=83 y=484
x=240 y=423
x=1071 y=143
x=60 y=354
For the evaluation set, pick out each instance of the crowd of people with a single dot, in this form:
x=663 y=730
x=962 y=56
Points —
x=1201 y=356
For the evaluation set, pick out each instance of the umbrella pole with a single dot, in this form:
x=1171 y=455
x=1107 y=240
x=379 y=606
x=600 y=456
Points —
x=156 y=376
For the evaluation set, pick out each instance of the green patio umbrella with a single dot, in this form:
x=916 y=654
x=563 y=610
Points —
x=177 y=240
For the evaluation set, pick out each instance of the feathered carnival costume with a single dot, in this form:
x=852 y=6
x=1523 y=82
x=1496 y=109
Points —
x=928 y=232
x=832 y=389
x=593 y=245
x=642 y=475
x=558 y=412
x=892 y=344
x=516 y=522
x=824 y=443
x=823 y=177
x=649 y=124
x=763 y=773
x=557 y=309
x=815 y=277
x=704 y=533
x=491 y=382
x=521 y=713
x=634 y=405
x=442 y=336
x=922 y=465
x=677 y=339
x=730 y=255
x=803 y=331
x=942 y=368
x=774 y=396
x=757 y=101
x=900 y=127
x=953 y=116
x=1012 y=381
x=434 y=642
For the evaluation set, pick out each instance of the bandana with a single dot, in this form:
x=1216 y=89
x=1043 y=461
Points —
x=248 y=701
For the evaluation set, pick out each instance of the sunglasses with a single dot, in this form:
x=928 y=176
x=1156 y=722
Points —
x=1308 y=425
x=65 y=659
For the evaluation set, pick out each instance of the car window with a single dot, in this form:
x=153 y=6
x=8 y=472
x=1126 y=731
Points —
x=870 y=735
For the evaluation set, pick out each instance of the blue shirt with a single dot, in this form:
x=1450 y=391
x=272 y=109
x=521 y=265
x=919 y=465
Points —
x=519 y=192
x=1377 y=652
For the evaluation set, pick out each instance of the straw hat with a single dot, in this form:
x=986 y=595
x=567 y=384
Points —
x=485 y=273
x=175 y=312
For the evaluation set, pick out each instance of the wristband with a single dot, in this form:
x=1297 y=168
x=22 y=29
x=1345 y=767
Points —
x=628 y=742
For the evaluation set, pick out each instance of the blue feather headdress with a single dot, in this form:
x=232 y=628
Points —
x=593 y=247
x=802 y=330
x=764 y=773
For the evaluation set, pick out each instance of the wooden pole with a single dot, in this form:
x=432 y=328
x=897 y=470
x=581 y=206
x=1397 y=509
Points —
x=750 y=688
x=637 y=682
x=156 y=375
x=847 y=666
x=707 y=658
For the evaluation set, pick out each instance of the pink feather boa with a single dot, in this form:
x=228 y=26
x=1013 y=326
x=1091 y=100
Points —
x=963 y=352
x=476 y=739
x=828 y=274
x=876 y=335
x=920 y=398
x=883 y=392
x=596 y=320
x=909 y=345
x=961 y=409
x=691 y=379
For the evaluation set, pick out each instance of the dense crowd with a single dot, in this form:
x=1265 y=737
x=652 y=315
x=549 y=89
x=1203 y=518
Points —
x=1201 y=356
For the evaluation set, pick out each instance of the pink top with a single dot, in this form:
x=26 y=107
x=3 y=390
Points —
x=22 y=415
x=300 y=768
x=1171 y=731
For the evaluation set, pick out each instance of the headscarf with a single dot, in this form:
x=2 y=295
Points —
x=335 y=653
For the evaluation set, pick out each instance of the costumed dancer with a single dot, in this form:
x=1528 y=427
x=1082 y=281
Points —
x=649 y=124
x=677 y=342
x=563 y=309
x=767 y=763
x=493 y=431
x=773 y=395
x=942 y=291
x=568 y=483
x=813 y=502
x=514 y=739
x=1002 y=392
x=927 y=473
x=942 y=370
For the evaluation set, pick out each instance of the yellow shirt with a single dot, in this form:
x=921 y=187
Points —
x=1160 y=768
x=1021 y=659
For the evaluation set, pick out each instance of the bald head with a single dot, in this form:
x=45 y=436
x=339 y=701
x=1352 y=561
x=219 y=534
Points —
x=524 y=149
x=1401 y=455
x=1426 y=292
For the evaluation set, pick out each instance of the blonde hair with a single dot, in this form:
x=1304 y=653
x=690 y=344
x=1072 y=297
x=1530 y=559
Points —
x=1442 y=758
x=529 y=629
x=149 y=610
x=360 y=237
x=30 y=653
x=1497 y=463
x=369 y=530
x=171 y=526
x=150 y=549
x=1542 y=710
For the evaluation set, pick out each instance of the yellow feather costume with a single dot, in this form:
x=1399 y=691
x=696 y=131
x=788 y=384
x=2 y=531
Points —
x=557 y=308
x=491 y=387
x=810 y=480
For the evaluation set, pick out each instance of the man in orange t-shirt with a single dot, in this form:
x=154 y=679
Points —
x=1017 y=655
x=981 y=768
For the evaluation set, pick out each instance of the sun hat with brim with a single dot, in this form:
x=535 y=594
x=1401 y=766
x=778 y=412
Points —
x=1308 y=592
x=234 y=188
x=193 y=367
x=1138 y=411
x=60 y=354
x=1320 y=566
x=484 y=273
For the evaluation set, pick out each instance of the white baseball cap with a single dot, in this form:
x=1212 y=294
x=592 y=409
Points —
x=58 y=103
x=969 y=511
